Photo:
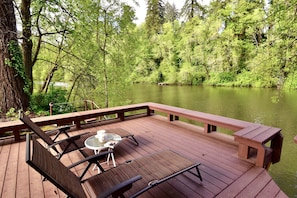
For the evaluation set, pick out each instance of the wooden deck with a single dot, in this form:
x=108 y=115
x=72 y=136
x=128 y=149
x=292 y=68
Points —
x=224 y=173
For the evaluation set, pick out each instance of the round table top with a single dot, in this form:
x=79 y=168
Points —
x=111 y=139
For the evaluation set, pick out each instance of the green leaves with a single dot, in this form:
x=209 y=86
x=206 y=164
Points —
x=16 y=62
x=232 y=43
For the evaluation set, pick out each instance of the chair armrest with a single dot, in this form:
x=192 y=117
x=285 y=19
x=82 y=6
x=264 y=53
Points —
x=60 y=130
x=69 y=139
x=91 y=160
x=120 y=188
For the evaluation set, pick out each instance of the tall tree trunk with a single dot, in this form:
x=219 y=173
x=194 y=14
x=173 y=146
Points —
x=104 y=61
x=192 y=9
x=12 y=74
x=27 y=43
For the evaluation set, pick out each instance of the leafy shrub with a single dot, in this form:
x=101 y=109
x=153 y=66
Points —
x=12 y=113
x=155 y=77
x=40 y=102
x=198 y=78
x=225 y=77
x=291 y=82
x=245 y=79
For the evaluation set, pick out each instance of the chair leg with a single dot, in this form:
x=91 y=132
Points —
x=132 y=138
x=111 y=156
x=197 y=174
x=113 y=160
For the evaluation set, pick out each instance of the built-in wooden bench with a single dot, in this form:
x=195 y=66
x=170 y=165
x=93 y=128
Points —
x=255 y=137
x=211 y=122
x=248 y=135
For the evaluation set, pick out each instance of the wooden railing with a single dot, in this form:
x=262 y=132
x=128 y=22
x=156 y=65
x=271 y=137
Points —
x=87 y=105
x=75 y=118
x=248 y=135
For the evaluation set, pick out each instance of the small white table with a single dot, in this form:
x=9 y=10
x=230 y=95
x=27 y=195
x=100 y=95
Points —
x=111 y=140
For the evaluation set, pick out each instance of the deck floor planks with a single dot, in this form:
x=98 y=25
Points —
x=256 y=185
x=146 y=149
x=166 y=146
x=9 y=188
x=49 y=189
x=204 y=188
x=221 y=169
x=35 y=184
x=22 y=170
x=4 y=155
x=184 y=186
x=271 y=190
x=172 y=142
x=213 y=186
x=235 y=188
x=190 y=141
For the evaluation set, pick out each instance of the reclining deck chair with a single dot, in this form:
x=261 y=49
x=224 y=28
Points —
x=129 y=179
x=124 y=134
x=61 y=147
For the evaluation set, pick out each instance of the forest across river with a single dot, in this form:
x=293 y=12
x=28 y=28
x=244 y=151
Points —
x=259 y=105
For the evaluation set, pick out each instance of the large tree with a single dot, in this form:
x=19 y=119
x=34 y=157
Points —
x=191 y=9
x=14 y=85
x=171 y=13
x=103 y=50
x=154 y=16
x=27 y=44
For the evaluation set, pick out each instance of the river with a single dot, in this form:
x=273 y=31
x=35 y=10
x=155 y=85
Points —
x=263 y=106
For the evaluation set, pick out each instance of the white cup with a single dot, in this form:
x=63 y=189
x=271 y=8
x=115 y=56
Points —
x=101 y=135
x=101 y=132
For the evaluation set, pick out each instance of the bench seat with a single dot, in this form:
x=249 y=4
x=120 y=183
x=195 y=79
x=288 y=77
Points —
x=257 y=136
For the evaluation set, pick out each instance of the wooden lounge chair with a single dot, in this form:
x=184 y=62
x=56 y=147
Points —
x=124 y=134
x=129 y=179
x=61 y=147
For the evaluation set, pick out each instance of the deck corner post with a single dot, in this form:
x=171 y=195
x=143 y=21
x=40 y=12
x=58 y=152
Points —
x=77 y=123
x=261 y=154
x=209 y=128
x=149 y=111
x=243 y=151
x=121 y=115
x=170 y=117
x=276 y=145
x=16 y=134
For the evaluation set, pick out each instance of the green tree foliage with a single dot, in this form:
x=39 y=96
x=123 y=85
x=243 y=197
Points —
x=230 y=43
x=171 y=13
x=277 y=56
x=95 y=47
x=88 y=44
x=40 y=101
x=102 y=45
x=191 y=9
x=155 y=16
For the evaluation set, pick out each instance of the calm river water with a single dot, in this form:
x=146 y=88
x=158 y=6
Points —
x=264 y=106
